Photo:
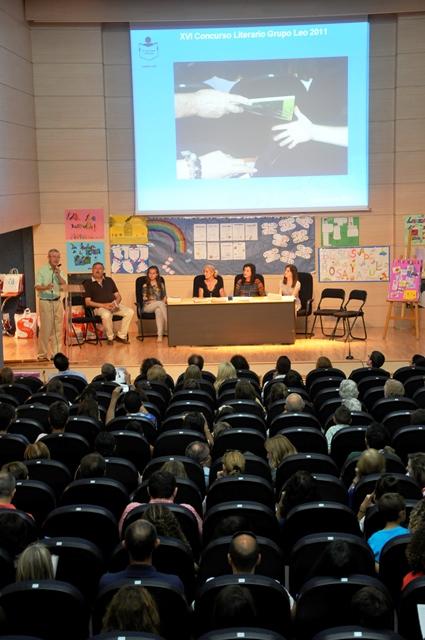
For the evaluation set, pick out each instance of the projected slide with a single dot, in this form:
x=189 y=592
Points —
x=251 y=119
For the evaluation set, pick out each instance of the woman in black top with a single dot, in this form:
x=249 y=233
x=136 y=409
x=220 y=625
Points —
x=212 y=286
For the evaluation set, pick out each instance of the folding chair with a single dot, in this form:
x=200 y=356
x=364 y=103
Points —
x=325 y=311
x=350 y=314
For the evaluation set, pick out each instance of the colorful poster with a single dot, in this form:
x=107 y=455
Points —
x=340 y=232
x=84 y=224
x=82 y=255
x=182 y=245
x=416 y=224
x=129 y=258
x=128 y=230
x=354 y=264
x=405 y=280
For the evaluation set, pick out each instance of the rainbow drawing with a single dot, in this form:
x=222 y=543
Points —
x=171 y=230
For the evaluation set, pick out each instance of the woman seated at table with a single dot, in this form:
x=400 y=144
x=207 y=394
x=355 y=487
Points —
x=290 y=285
x=212 y=285
x=249 y=283
x=155 y=299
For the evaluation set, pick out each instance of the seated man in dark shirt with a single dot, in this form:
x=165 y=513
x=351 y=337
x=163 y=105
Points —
x=140 y=541
x=102 y=295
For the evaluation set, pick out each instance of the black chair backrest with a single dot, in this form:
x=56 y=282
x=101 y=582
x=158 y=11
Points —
x=408 y=619
x=174 y=442
x=193 y=469
x=52 y=472
x=102 y=492
x=405 y=373
x=312 y=462
x=241 y=439
x=241 y=487
x=409 y=439
x=34 y=497
x=257 y=518
x=26 y=427
x=53 y=609
x=132 y=446
x=393 y=564
x=68 y=448
x=122 y=470
x=330 y=293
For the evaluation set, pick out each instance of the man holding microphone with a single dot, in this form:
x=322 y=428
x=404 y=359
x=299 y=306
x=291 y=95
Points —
x=47 y=282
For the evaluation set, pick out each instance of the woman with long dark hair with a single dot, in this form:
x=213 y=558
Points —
x=290 y=285
x=249 y=284
x=155 y=299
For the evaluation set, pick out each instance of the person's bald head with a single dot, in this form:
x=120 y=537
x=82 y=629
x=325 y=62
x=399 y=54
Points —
x=294 y=402
x=244 y=554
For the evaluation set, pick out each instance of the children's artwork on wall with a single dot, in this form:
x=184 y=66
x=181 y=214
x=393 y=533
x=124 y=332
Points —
x=82 y=255
x=84 y=224
x=340 y=232
x=405 y=280
x=129 y=258
x=128 y=230
x=354 y=264
x=415 y=224
x=184 y=244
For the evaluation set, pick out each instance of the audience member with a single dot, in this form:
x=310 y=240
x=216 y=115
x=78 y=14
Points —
x=278 y=391
x=393 y=389
x=92 y=465
x=162 y=487
x=415 y=554
x=192 y=372
x=194 y=421
x=300 y=488
x=61 y=363
x=391 y=506
x=176 y=467
x=200 y=452
x=226 y=371
x=55 y=385
x=165 y=522
x=239 y=362
x=387 y=483
x=337 y=560
x=156 y=373
x=37 y=451
x=233 y=464
x=278 y=448
x=140 y=540
x=105 y=444
x=196 y=359
x=376 y=360
x=417 y=516
x=341 y=418
x=370 y=461
x=418 y=416
x=35 y=563
x=87 y=403
x=416 y=469
x=294 y=403
x=244 y=553
x=323 y=362
x=7 y=490
x=18 y=470
x=132 y=609
x=348 y=391
x=58 y=417
x=234 y=607
x=133 y=404
x=371 y=608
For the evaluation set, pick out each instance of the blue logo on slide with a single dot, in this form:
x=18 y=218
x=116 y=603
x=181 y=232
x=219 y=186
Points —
x=148 y=50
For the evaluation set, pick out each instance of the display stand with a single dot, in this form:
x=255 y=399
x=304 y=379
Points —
x=405 y=306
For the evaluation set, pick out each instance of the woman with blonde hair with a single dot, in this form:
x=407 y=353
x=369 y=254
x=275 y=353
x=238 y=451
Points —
x=278 y=448
x=212 y=285
x=35 y=563
x=226 y=371
x=233 y=464
x=370 y=461
x=132 y=609
x=37 y=451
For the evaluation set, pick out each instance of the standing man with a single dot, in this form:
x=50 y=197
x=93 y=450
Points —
x=47 y=282
x=104 y=298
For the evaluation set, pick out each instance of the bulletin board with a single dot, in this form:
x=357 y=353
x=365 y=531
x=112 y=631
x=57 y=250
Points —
x=354 y=264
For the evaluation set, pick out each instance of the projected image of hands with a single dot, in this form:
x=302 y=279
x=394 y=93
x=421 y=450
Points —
x=245 y=119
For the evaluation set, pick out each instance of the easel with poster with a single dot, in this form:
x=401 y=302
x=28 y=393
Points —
x=404 y=288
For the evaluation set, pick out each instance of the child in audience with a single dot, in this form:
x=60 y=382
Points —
x=392 y=508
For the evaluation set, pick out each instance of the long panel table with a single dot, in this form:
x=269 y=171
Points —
x=218 y=321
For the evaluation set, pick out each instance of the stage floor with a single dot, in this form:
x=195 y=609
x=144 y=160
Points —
x=398 y=348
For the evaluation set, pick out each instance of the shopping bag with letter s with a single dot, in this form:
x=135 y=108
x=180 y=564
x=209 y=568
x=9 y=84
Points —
x=26 y=324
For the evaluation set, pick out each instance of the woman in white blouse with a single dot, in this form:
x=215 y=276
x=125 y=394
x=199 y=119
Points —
x=290 y=285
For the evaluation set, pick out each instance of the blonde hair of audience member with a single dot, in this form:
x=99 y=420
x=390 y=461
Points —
x=278 y=448
x=192 y=372
x=278 y=391
x=55 y=386
x=370 y=461
x=323 y=362
x=164 y=521
x=393 y=388
x=132 y=609
x=226 y=371
x=176 y=467
x=233 y=464
x=35 y=563
x=37 y=451
x=156 y=373
x=294 y=402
